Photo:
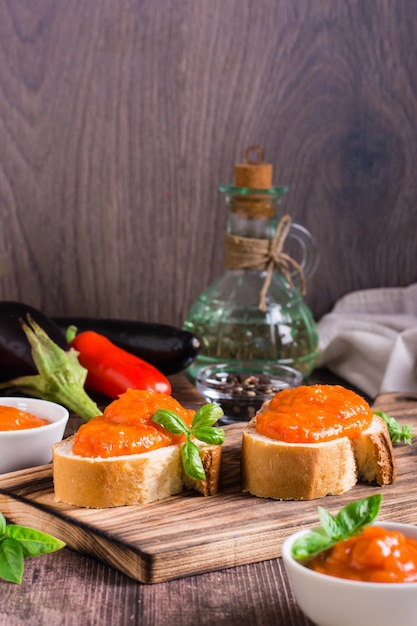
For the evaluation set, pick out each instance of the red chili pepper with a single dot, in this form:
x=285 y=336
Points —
x=112 y=370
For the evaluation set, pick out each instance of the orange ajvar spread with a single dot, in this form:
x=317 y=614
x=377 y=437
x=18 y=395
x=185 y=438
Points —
x=376 y=555
x=12 y=418
x=310 y=414
x=126 y=426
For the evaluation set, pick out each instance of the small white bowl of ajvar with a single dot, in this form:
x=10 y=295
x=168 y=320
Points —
x=28 y=429
x=330 y=600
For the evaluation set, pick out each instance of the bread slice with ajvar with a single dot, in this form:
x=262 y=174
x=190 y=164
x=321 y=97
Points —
x=292 y=468
x=123 y=458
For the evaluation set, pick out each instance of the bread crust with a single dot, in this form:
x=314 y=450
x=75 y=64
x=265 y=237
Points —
x=374 y=454
x=129 y=479
x=211 y=457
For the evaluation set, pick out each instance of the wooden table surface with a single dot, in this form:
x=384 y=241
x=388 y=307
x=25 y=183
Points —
x=67 y=588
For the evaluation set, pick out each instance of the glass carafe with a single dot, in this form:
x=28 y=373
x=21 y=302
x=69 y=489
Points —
x=229 y=318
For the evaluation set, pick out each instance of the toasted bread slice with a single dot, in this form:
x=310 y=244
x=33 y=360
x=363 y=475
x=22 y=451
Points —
x=291 y=471
x=129 y=479
x=288 y=471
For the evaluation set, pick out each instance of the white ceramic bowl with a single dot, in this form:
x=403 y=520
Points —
x=20 y=449
x=330 y=601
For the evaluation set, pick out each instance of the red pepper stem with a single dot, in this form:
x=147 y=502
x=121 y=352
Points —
x=71 y=334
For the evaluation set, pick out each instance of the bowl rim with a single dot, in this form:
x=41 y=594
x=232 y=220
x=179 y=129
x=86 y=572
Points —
x=249 y=365
x=306 y=572
x=21 y=432
x=204 y=382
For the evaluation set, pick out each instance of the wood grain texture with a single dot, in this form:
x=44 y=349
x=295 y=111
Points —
x=120 y=119
x=68 y=589
x=187 y=534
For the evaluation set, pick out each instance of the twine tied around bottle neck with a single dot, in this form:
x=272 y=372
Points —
x=265 y=255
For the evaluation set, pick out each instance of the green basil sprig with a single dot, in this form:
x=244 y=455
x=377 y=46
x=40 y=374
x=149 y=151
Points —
x=398 y=433
x=201 y=428
x=18 y=542
x=350 y=521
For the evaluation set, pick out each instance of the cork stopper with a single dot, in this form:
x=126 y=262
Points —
x=253 y=173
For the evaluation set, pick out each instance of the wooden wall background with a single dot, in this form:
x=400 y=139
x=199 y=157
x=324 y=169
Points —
x=119 y=119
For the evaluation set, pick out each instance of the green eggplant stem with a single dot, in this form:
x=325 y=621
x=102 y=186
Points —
x=61 y=377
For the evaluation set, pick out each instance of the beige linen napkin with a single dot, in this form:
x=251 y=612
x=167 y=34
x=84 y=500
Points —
x=370 y=339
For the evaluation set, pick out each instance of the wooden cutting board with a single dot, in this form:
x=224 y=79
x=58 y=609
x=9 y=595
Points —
x=189 y=534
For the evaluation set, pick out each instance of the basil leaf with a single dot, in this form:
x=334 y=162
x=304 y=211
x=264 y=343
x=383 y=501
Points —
x=192 y=462
x=207 y=415
x=329 y=523
x=201 y=428
x=356 y=515
x=34 y=542
x=311 y=543
x=398 y=433
x=350 y=521
x=172 y=422
x=2 y=525
x=11 y=561
x=208 y=434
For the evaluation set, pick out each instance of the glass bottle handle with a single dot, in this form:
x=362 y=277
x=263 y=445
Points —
x=308 y=244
